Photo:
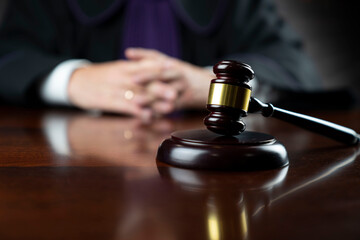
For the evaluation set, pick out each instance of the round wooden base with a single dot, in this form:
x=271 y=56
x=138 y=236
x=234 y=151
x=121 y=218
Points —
x=203 y=149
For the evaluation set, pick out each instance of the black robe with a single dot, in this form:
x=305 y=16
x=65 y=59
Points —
x=36 y=35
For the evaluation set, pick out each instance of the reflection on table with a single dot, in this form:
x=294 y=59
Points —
x=96 y=177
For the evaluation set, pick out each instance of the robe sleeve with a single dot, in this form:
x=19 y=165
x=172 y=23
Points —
x=27 y=49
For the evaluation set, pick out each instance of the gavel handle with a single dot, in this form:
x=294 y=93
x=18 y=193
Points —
x=328 y=129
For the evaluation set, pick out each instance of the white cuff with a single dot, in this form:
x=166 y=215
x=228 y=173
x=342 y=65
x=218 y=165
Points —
x=53 y=90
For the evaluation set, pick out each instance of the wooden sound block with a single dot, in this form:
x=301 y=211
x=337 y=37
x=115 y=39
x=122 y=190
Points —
x=203 y=149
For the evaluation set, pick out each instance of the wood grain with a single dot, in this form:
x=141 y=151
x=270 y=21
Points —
x=109 y=185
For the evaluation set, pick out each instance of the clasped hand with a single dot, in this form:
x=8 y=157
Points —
x=148 y=84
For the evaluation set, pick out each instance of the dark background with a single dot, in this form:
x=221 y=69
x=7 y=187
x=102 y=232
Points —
x=329 y=29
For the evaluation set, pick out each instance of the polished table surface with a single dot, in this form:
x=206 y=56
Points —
x=67 y=174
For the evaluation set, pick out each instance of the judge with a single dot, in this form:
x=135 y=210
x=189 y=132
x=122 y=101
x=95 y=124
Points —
x=141 y=58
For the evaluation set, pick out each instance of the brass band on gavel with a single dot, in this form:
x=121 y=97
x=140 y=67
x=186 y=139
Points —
x=229 y=95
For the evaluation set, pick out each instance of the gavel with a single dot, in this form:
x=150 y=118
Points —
x=225 y=145
x=230 y=100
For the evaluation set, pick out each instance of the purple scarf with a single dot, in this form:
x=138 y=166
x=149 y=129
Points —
x=151 y=24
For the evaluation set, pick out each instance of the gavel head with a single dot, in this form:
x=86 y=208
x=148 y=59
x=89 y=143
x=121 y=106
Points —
x=229 y=97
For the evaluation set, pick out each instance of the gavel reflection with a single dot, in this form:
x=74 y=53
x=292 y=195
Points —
x=239 y=204
x=228 y=214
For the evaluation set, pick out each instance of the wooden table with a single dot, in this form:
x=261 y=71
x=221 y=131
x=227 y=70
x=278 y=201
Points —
x=66 y=174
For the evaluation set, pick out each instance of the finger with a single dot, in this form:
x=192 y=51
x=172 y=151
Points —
x=169 y=75
x=146 y=77
x=134 y=72
x=162 y=91
x=126 y=67
x=179 y=85
x=140 y=53
x=143 y=100
x=147 y=71
x=151 y=75
x=115 y=100
x=138 y=97
x=172 y=70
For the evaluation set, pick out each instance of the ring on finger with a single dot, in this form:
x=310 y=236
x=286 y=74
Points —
x=129 y=94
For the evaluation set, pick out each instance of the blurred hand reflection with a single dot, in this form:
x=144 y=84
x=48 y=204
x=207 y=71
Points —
x=110 y=139
x=235 y=205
